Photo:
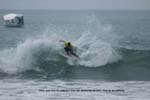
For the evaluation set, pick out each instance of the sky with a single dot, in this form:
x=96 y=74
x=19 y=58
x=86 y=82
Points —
x=76 y=4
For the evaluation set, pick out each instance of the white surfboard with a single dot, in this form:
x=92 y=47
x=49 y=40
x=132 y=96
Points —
x=72 y=57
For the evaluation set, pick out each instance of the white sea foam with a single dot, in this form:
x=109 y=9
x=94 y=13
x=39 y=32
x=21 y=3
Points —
x=95 y=52
x=22 y=57
x=40 y=90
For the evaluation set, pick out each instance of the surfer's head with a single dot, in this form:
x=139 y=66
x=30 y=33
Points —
x=69 y=44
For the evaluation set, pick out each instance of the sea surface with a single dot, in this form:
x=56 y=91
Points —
x=113 y=46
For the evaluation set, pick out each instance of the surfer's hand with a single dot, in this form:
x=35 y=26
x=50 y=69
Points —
x=61 y=40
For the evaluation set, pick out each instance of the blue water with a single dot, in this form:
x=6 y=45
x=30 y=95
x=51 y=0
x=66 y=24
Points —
x=114 y=50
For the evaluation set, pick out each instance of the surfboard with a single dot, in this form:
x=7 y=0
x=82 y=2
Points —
x=72 y=57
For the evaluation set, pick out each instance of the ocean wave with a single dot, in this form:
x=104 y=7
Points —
x=36 y=53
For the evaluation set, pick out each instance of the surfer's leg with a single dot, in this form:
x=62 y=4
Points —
x=67 y=50
x=74 y=54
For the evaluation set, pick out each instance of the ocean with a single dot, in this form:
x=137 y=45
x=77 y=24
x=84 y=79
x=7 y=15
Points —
x=113 y=46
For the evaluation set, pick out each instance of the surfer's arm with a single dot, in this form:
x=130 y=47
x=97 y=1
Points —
x=65 y=42
x=61 y=40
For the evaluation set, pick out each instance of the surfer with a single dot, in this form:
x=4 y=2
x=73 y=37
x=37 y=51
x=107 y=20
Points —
x=68 y=48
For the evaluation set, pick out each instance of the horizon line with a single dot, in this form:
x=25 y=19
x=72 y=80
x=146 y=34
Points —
x=80 y=9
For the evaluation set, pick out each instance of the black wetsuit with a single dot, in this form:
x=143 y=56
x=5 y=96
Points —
x=70 y=51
